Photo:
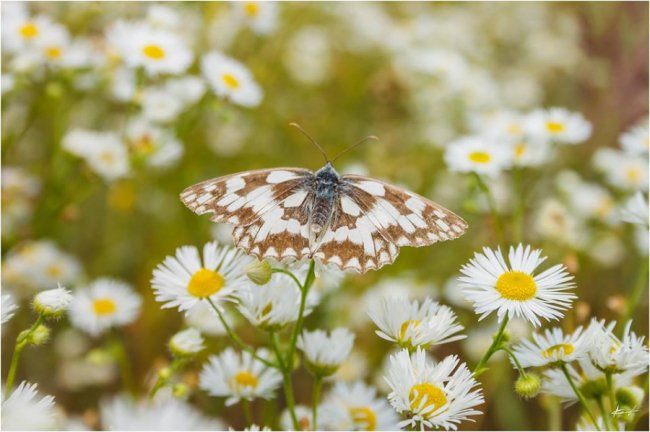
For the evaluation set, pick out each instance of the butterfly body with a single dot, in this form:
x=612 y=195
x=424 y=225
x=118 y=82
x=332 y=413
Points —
x=351 y=222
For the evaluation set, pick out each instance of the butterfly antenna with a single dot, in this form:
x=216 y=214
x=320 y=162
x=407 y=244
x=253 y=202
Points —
x=368 y=138
x=313 y=141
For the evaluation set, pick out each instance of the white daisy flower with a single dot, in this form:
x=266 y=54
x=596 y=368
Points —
x=435 y=395
x=21 y=33
x=478 y=155
x=104 y=152
x=204 y=318
x=53 y=46
x=230 y=79
x=123 y=414
x=636 y=140
x=159 y=104
x=609 y=353
x=186 y=342
x=103 y=304
x=254 y=428
x=53 y=303
x=8 y=307
x=164 y=17
x=551 y=347
x=622 y=170
x=553 y=220
x=38 y=265
x=156 y=146
x=529 y=153
x=308 y=58
x=274 y=305
x=586 y=424
x=513 y=289
x=558 y=125
x=356 y=407
x=25 y=409
x=185 y=279
x=635 y=210
x=499 y=124
x=591 y=201
x=19 y=193
x=303 y=414
x=324 y=353
x=188 y=89
x=158 y=51
x=411 y=324
x=585 y=376
x=260 y=16
x=239 y=376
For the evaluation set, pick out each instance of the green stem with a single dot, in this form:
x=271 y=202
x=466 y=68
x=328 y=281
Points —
x=288 y=273
x=492 y=204
x=236 y=338
x=119 y=351
x=246 y=407
x=640 y=284
x=496 y=346
x=610 y=388
x=578 y=393
x=309 y=279
x=605 y=414
x=521 y=370
x=286 y=381
x=163 y=380
x=21 y=343
x=318 y=384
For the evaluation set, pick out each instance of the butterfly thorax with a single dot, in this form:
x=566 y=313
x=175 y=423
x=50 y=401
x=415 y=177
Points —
x=326 y=189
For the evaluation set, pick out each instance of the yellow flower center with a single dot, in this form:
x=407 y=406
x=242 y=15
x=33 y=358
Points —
x=364 y=418
x=104 y=306
x=53 y=52
x=555 y=127
x=516 y=285
x=230 y=81
x=520 y=149
x=143 y=145
x=604 y=207
x=29 y=30
x=107 y=157
x=555 y=350
x=414 y=324
x=514 y=129
x=246 y=379
x=251 y=9
x=480 y=157
x=633 y=174
x=434 y=395
x=54 y=271
x=204 y=283
x=154 y=52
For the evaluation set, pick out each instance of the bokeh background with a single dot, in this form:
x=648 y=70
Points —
x=414 y=74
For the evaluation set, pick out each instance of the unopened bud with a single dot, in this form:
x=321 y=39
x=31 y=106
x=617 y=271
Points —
x=39 y=336
x=180 y=391
x=527 y=386
x=99 y=357
x=259 y=272
x=631 y=396
x=594 y=389
x=165 y=373
x=186 y=343
x=52 y=303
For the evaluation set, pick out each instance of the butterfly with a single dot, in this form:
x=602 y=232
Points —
x=351 y=222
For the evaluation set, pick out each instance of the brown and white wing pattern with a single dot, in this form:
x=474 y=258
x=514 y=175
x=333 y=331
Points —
x=374 y=219
x=269 y=208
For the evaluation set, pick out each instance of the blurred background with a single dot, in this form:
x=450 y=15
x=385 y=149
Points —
x=417 y=75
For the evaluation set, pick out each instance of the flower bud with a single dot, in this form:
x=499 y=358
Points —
x=52 y=303
x=165 y=373
x=595 y=388
x=259 y=272
x=186 y=343
x=631 y=396
x=99 y=357
x=39 y=336
x=180 y=391
x=527 y=386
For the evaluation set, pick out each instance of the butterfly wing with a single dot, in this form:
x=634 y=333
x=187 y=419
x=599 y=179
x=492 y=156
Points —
x=373 y=219
x=270 y=209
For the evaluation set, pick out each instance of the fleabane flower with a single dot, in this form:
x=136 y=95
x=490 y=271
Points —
x=21 y=33
x=230 y=79
x=26 y=409
x=356 y=407
x=514 y=289
x=104 y=152
x=186 y=279
x=274 y=305
x=478 y=155
x=155 y=146
x=157 y=50
x=52 y=303
x=324 y=353
x=186 y=343
x=551 y=347
x=610 y=354
x=123 y=413
x=558 y=125
x=636 y=140
x=238 y=376
x=8 y=307
x=622 y=170
x=433 y=395
x=303 y=415
x=635 y=210
x=260 y=16
x=103 y=304
x=411 y=324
